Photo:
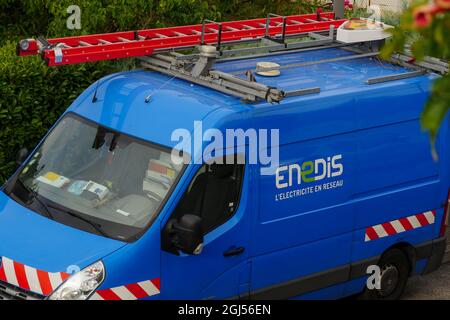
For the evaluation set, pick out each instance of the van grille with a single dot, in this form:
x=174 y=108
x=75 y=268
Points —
x=9 y=292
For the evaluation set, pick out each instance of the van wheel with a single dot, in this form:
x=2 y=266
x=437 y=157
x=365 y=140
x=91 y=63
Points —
x=394 y=267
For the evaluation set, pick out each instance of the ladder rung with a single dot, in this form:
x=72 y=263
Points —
x=196 y=32
x=162 y=36
x=104 y=41
x=85 y=44
x=294 y=22
x=311 y=20
x=248 y=27
x=123 y=39
x=179 y=34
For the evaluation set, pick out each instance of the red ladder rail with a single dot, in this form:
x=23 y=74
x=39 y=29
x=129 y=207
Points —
x=90 y=48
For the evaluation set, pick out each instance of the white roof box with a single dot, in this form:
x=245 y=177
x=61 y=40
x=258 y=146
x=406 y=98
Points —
x=362 y=30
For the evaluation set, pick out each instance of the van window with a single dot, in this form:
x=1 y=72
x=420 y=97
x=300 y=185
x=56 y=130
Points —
x=213 y=195
x=90 y=177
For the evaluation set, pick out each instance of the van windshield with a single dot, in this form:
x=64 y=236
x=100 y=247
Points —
x=95 y=179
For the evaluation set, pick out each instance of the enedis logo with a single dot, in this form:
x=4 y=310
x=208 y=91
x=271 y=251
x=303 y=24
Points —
x=296 y=175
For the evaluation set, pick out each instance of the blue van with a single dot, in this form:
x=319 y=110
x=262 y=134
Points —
x=101 y=211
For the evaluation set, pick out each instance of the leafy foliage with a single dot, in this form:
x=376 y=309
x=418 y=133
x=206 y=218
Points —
x=25 y=18
x=32 y=97
x=424 y=28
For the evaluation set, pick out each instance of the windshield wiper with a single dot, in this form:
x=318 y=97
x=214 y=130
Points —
x=96 y=226
x=35 y=196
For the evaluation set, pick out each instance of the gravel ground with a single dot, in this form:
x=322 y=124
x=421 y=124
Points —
x=434 y=286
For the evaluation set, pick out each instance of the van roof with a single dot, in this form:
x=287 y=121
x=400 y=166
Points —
x=328 y=76
x=176 y=103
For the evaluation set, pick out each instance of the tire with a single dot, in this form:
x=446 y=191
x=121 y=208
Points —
x=394 y=265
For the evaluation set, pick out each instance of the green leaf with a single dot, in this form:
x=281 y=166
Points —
x=437 y=107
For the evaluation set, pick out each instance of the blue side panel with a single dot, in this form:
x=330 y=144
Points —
x=299 y=261
x=329 y=293
x=385 y=155
x=394 y=154
x=397 y=176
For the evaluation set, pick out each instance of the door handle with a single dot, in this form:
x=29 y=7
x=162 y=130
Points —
x=234 y=252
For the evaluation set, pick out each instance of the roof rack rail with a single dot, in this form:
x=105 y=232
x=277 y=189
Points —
x=198 y=68
x=407 y=60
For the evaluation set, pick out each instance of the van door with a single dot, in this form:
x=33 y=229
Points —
x=302 y=233
x=218 y=195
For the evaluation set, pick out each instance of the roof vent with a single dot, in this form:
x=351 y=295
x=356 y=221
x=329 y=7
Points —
x=268 y=69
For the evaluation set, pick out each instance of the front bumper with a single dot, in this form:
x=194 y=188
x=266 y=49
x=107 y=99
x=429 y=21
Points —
x=10 y=292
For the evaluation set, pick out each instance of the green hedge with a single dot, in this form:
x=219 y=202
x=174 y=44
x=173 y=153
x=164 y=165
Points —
x=25 y=18
x=32 y=96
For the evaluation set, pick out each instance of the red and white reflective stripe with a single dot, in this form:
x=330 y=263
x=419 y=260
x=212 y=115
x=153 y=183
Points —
x=129 y=292
x=30 y=279
x=401 y=225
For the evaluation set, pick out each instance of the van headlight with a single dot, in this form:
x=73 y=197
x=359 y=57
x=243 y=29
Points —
x=81 y=285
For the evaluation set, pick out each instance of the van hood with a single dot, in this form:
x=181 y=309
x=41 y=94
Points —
x=38 y=242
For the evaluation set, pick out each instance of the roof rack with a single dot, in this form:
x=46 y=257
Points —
x=198 y=68
x=407 y=60
x=164 y=50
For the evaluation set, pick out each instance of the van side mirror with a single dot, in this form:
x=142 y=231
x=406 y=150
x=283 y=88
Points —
x=188 y=234
x=21 y=156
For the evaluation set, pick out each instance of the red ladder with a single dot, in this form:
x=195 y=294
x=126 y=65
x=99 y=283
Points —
x=81 y=49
